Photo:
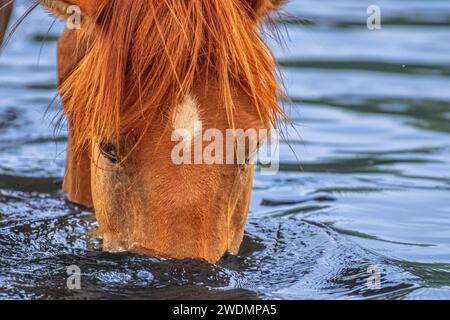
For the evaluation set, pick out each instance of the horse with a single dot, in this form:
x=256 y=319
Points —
x=132 y=75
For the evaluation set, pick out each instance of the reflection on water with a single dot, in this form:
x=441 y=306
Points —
x=372 y=111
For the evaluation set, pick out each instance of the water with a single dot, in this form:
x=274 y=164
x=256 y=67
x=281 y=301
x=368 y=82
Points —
x=372 y=112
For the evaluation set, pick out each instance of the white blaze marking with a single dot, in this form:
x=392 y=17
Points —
x=185 y=117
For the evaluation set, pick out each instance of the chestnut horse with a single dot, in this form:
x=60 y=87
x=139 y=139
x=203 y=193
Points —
x=134 y=72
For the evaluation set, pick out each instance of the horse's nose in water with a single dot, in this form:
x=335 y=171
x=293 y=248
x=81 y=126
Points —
x=132 y=78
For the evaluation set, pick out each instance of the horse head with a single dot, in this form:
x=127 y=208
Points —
x=150 y=89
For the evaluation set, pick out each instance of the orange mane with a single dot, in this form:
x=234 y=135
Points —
x=144 y=58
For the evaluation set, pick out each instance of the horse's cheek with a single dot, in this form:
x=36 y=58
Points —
x=77 y=180
x=241 y=208
x=110 y=190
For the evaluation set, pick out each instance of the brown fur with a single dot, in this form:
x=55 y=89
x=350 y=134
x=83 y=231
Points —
x=157 y=70
x=6 y=7
x=121 y=76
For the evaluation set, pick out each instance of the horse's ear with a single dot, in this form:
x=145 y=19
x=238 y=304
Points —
x=261 y=8
x=88 y=8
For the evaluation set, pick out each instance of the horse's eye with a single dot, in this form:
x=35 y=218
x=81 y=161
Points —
x=109 y=151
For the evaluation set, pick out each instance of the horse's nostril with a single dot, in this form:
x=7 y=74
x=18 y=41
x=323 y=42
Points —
x=109 y=151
